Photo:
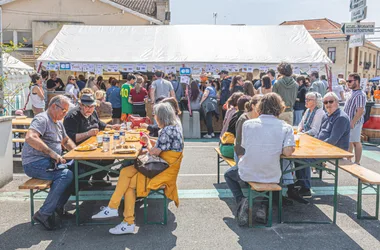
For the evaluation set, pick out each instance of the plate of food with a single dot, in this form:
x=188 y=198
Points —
x=110 y=131
x=125 y=150
x=88 y=147
x=132 y=138
x=140 y=130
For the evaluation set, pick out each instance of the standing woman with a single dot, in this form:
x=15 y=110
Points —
x=299 y=105
x=236 y=84
x=100 y=83
x=195 y=96
x=138 y=97
x=209 y=104
x=37 y=95
x=266 y=86
x=91 y=84
x=72 y=88
x=248 y=88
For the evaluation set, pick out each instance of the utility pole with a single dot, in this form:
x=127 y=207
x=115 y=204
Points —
x=215 y=16
x=1 y=64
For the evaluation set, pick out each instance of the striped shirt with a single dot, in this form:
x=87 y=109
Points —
x=357 y=100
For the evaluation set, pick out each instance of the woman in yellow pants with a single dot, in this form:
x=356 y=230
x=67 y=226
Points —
x=169 y=146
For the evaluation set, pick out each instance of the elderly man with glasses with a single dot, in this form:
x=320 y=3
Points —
x=41 y=154
x=83 y=122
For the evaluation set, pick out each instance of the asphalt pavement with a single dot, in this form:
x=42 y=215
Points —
x=205 y=217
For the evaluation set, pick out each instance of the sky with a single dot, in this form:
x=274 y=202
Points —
x=266 y=12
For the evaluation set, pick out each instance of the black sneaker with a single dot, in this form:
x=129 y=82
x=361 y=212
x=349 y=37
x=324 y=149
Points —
x=242 y=212
x=295 y=195
x=261 y=214
x=305 y=192
x=44 y=220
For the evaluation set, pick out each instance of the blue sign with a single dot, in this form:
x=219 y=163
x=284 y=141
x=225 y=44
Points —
x=65 y=66
x=185 y=71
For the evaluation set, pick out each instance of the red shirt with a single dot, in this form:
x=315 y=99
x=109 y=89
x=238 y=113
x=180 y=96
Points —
x=138 y=98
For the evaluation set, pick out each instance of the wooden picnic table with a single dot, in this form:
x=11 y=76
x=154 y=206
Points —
x=85 y=157
x=314 y=152
x=28 y=121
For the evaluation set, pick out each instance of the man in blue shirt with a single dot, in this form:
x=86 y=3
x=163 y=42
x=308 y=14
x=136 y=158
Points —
x=335 y=127
x=81 y=82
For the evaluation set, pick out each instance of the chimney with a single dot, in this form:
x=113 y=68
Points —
x=163 y=11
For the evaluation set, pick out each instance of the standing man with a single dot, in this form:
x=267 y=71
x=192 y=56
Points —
x=55 y=83
x=316 y=84
x=81 y=123
x=272 y=75
x=42 y=152
x=160 y=88
x=177 y=86
x=324 y=80
x=355 y=108
x=287 y=88
x=126 y=106
x=225 y=89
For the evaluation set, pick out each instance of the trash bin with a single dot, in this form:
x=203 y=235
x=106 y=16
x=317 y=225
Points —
x=367 y=114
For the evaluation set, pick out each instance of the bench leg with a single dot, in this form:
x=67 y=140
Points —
x=270 y=210
x=218 y=167
x=377 y=201
x=279 y=206
x=31 y=206
x=165 y=204
x=359 y=202
x=250 y=208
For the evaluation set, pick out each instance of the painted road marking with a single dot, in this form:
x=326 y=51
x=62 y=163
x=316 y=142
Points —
x=183 y=194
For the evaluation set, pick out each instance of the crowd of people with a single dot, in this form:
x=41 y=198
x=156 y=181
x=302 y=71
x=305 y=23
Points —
x=254 y=114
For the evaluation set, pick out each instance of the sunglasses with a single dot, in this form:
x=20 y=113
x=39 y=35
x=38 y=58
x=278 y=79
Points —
x=63 y=110
x=331 y=102
x=350 y=81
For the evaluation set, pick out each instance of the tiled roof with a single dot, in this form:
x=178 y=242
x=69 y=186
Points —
x=320 y=28
x=146 y=7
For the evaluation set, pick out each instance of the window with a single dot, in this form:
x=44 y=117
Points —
x=374 y=61
x=361 y=58
x=370 y=57
x=331 y=52
x=24 y=37
x=365 y=57
x=350 y=56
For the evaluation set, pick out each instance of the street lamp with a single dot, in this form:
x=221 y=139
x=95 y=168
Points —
x=215 y=16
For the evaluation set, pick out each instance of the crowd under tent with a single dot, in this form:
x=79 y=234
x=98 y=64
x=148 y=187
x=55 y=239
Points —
x=210 y=48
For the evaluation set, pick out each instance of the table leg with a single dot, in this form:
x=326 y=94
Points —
x=76 y=192
x=218 y=167
x=335 y=191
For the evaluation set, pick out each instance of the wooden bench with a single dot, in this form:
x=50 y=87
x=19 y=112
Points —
x=19 y=130
x=366 y=178
x=262 y=190
x=39 y=186
x=220 y=158
x=161 y=193
x=21 y=142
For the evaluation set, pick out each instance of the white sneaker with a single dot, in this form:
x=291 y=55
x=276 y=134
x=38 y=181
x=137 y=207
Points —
x=106 y=212
x=123 y=228
x=212 y=135
x=207 y=136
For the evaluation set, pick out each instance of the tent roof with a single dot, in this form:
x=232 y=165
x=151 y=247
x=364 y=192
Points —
x=184 y=44
x=13 y=65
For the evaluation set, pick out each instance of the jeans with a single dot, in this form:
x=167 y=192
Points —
x=232 y=178
x=139 y=110
x=303 y=177
x=287 y=179
x=297 y=117
x=208 y=121
x=59 y=190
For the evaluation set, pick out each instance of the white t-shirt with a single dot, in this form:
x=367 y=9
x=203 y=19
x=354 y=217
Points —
x=263 y=140
x=337 y=89
x=71 y=90
x=37 y=102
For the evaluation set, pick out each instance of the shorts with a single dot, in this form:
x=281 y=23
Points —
x=356 y=132
x=116 y=113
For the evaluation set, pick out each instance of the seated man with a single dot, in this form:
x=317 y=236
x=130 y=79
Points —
x=335 y=127
x=81 y=123
x=269 y=137
x=42 y=149
x=335 y=130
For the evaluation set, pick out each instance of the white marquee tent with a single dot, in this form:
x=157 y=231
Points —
x=185 y=44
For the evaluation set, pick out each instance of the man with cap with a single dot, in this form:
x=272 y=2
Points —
x=83 y=122
x=225 y=88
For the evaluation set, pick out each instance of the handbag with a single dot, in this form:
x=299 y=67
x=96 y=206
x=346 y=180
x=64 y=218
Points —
x=137 y=120
x=150 y=165
x=227 y=138
x=227 y=150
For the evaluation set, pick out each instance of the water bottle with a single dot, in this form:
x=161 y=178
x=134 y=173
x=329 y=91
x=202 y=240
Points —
x=106 y=142
x=116 y=139
x=122 y=136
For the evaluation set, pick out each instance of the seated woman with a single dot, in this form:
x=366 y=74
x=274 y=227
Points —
x=231 y=106
x=169 y=147
x=310 y=124
x=103 y=108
